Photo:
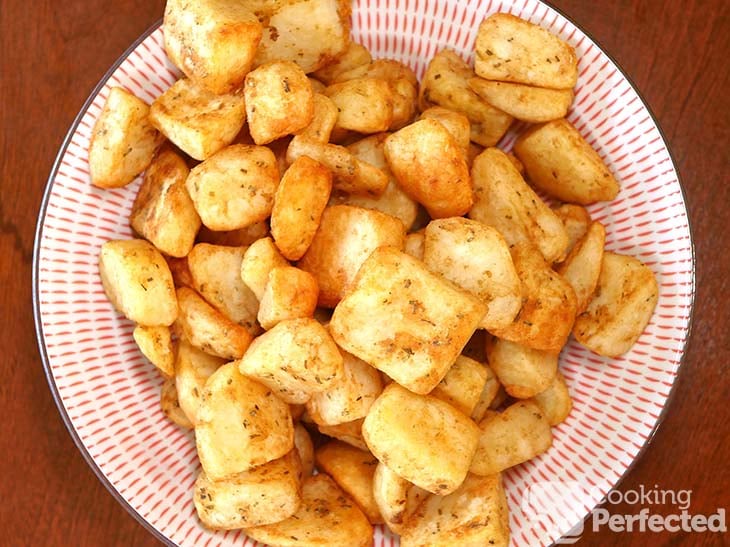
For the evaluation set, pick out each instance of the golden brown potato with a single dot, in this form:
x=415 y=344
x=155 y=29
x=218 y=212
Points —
x=123 y=140
x=456 y=123
x=345 y=238
x=299 y=203
x=242 y=237
x=138 y=282
x=412 y=444
x=487 y=396
x=349 y=432
x=430 y=167
x=524 y=102
x=415 y=244
x=511 y=49
x=364 y=105
x=524 y=372
x=305 y=449
x=289 y=294
x=155 y=343
x=555 y=401
x=170 y=405
x=265 y=494
x=193 y=367
x=279 y=101
x=353 y=56
x=326 y=516
x=512 y=437
x=395 y=497
x=212 y=41
x=583 y=265
x=258 y=261
x=235 y=187
x=198 y=121
x=389 y=70
x=324 y=118
x=463 y=385
x=405 y=320
x=561 y=163
x=241 y=424
x=576 y=220
x=621 y=307
x=405 y=96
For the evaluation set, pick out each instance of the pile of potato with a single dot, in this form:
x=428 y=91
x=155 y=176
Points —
x=333 y=254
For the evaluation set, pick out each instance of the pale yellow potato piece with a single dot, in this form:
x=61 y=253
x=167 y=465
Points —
x=487 y=396
x=353 y=56
x=279 y=101
x=171 y=406
x=324 y=119
x=345 y=238
x=295 y=359
x=364 y=105
x=197 y=121
x=304 y=447
x=212 y=41
x=475 y=257
x=299 y=203
x=258 y=261
x=396 y=498
x=524 y=372
x=241 y=424
x=155 y=344
x=524 y=102
x=583 y=265
x=415 y=244
x=290 y=293
x=555 y=401
x=235 y=187
x=456 y=123
x=621 y=307
x=560 y=162
x=405 y=96
x=193 y=367
x=208 y=329
x=352 y=469
x=265 y=494
x=327 y=516
x=242 y=237
x=511 y=49
x=123 y=140
x=348 y=432
x=413 y=443
x=576 y=220
x=138 y=282
x=463 y=385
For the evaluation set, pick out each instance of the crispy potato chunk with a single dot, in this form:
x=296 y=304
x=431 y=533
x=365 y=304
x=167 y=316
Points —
x=241 y=424
x=561 y=163
x=463 y=385
x=299 y=203
x=235 y=187
x=511 y=49
x=364 y=105
x=258 y=261
x=348 y=432
x=123 y=140
x=429 y=165
x=487 y=396
x=289 y=294
x=505 y=201
x=405 y=96
x=279 y=101
x=323 y=121
x=456 y=123
x=621 y=307
x=171 y=406
x=576 y=220
x=208 y=329
x=295 y=359
x=353 y=56
x=583 y=265
x=405 y=320
x=415 y=244
x=396 y=498
x=389 y=70
x=555 y=401
x=193 y=367
x=475 y=257
x=305 y=449
x=199 y=122
x=345 y=238
x=155 y=344
x=138 y=282
x=326 y=516
x=524 y=372
x=524 y=102
x=512 y=437
x=413 y=444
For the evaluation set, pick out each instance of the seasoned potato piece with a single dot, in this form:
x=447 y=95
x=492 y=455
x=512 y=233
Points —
x=456 y=123
x=215 y=271
x=289 y=294
x=155 y=344
x=511 y=49
x=395 y=497
x=429 y=166
x=279 y=101
x=308 y=32
x=345 y=238
x=235 y=187
x=549 y=307
x=524 y=372
x=561 y=163
x=364 y=105
x=621 y=307
x=242 y=237
x=350 y=397
x=304 y=447
x=389 y=70
x=505 y=201
x=475 y=257
x=326 y=516
x=405 y=96
x=475 y=514
x=415 y=244
x=353 y=56
x=193 y=367
x=265 y=494
x=324 y=118
x=138 y=282
x=241 y=424
x=555 y=401
x=208 y=329
x=583 y=265
x=199 y=122
x=170 y=405
x=349 y=432
x=524 y=102
x=258 y=261
x=123 y=140
x=512 y=437
x=412 y=444
x=295 y=359
x=212 y=41
x=463 y=385
x=405 y=320
x=299 y=203
x=576 y=220
x=487 y=396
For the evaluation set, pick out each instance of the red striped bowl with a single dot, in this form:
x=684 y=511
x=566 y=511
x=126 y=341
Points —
x=108 y=394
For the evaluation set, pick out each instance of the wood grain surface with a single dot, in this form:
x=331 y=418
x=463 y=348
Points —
x=53 y=53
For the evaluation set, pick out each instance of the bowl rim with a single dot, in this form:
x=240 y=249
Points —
x=36 y=287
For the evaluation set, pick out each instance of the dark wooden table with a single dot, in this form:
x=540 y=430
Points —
x=53 y=53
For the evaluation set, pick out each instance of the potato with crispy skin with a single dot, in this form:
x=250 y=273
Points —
x=576 y=220
x=524 y=102
x=456 y=123
x=488 y=395
x=524 y=372
x=555 y=401
x=258 y=261
x=171 y=406
x=193 y=367
x=155 y=343
x=364 y=105
x=463 y=385
x=582 y=266
x=354 y=55
x=290 y=293
x=324 y=118
x=396 y=498
x=305 y=449
x=348 y=432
